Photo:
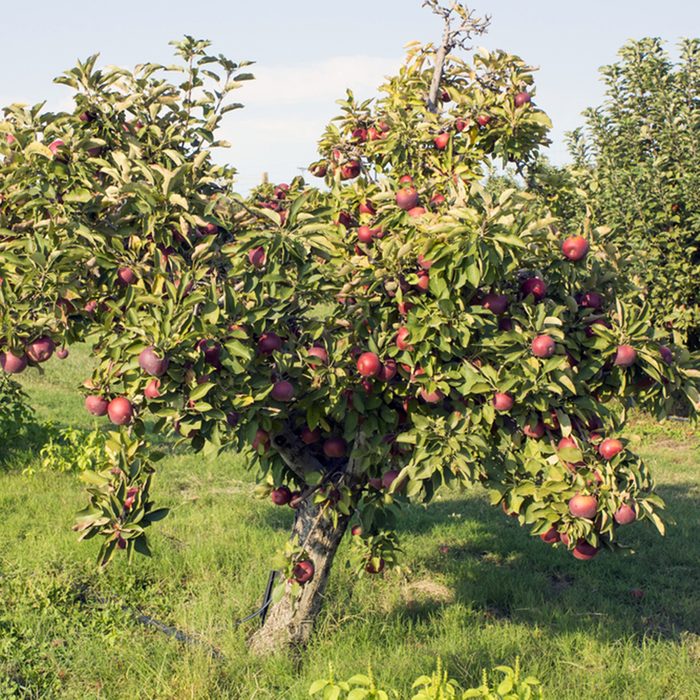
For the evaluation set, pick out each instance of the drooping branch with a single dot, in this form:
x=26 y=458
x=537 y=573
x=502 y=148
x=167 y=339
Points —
x=453 y=36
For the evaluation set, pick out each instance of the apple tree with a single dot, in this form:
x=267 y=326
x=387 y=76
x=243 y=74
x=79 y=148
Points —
x=364 y=344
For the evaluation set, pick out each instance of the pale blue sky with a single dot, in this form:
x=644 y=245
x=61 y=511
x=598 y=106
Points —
x=308 y=51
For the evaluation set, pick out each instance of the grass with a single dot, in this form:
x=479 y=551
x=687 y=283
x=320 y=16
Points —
x=496 y=593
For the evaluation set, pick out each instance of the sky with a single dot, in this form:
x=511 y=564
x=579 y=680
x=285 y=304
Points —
x=307 y=52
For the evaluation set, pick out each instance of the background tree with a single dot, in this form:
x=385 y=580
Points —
x=638 y=154
x=364 y=344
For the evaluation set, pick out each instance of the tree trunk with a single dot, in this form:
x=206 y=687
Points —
x=289 y=623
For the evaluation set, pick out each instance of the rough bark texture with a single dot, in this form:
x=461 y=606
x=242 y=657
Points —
x=290 y=623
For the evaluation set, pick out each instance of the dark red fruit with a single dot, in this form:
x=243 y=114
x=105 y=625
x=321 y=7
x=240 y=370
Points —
x=543 y=346
x=535 y=286
x=368 y=364
x=256 y=257
x=152 y=390
x=625 y=514
x=407 y=198
x=282 y=391
x=584 y=551
x=626 y=356
x=502 y=401
x=97 y=405
x=551 y=536
x=495 y=303
x=319 y=353
x=126 y=276
x=610 y=447
x=40 y=350
x=11 y=363
x=120 y=411
x=308 y=436
x=583 y=506
x=575 y=248
x=335 y=448
x=269 y=343
x=303 y=571
x=522 y=98
x=151 y=363
x=281 y=496
x=401 y=336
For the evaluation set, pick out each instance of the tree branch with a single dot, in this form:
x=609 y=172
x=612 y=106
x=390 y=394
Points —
x=295 y=454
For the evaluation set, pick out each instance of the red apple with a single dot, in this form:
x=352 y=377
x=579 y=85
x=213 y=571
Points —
x=120 y=411
x=626 y=356
x=211 y=351
x=460 y=124
x=55 y=145
x=583 y=506
x=40 y=350
x=590 y=300
x=335 y=448
x=97 y=405
x=416 y=212
x=551 y=536
x=502 y=401
x=407 y=198
x=423 y=281
x=404 y=179
x=269 y=343
x=543 y=346
x=388 y=370
x=261 y=439
x=625 y=514
x=319 y=353
x=350 y=170
x=209 y=229
x=152 y=390
x=303 y=571
x=281 y=496
x=367 y=208
x=364 y=234
x=126 y=276
x=535 y=286
x=423 y=263
x=610 y=447
x=441 y=141
x=356 y=530
x=62 y=353
x=432 y=396
x=522 y=98
x=575 y=248
x=282 y=391
x=483 y=120
x=495 y=303
x=371 y=568
x=368 y=364
x=308 y=436
x=401 y=336
x=584 y=551
x=151 y=363
x=256 y=257
x=535 y=432
x=437 y=199
x=666 y=354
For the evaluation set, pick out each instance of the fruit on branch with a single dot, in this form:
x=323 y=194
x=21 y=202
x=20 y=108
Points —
x=308 y=436
x=543 y=346
x=590 y=300
x=40 y=350
x=609 y=448
x=335 y=448
x=256 y=257
x=575 y=248
x=388 y=370
x=375 y=568
x=423 y=281
x=460 y=125
x=626 y=356
x=407 y=198
x=356 y=530
x=269 y=343
x=495 y=303
x=319 y=169
x=416 y=212
x=318 y=353
x=441 y=141
x=55 y=145
x=625 y=514
x=437 y=199
x=502 y=401
x=388 y=478
x=303 y=571
x=282 y=391
x=11 y=363
x=364 y=234
x=368 y=364
x=535 y=286
x=405 y=180
x=583 y=506
x=483 y=120
x=281 y=496
x=551 y=536
x=666 y=354
x=522 y=98
x=261 y=439
x=151 y=363
x=534 y=431
x=367 y=208
x=432 y=396
x=211 y=351
x=350 y=170
x=152 y=390
x=120 y=411
x=97 y=405
x=401 y=336
x=126 y=276
x=584 y=550
x=209 y=229
x=423 y=263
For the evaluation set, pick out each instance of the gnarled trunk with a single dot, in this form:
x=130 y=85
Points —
x=289 y=623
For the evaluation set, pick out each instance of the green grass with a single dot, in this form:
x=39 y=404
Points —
x=496 y=594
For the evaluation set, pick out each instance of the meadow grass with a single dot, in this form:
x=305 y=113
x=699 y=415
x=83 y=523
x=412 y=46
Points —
x=496 y=593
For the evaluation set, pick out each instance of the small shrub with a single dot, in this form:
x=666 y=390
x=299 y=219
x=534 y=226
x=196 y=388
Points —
x=70 y=450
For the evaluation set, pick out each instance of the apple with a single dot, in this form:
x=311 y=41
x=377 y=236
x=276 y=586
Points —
x=483 y=120
x=404 y=307
x=505 y=324
x=610 y=447
x=666 y=354
x=423 y=281
x=11 y=363
x=319 y=353
x=256 y=257
x=97 y=405
x=364 y=234
x=416 y=212
x=584 y=551
x=551 y=536
x=590 y=300
x=441 y=141
x=535 y=286
x=126 y=276
x=335 y=448
x=575 y=248
x=522 y=98
x=566 y=443
x=211 y=351
x=368 y=364
x=626 y=356
x=535 y=432
x=308 y=436
x=303 y=571
x=625 y=514
x=319 y=169
x=151 y=363
x=269 y=343
x=583 y=506
x=502 y=401
x=281 y=495
x=282 y=391
x=233 y=418
x=356 y=530
x=209 y=229
x=495 y=303
x=62 y=353
x=55 y=145
x=564 y=539
x=359 y=135
x=460 y=124
x=9 y=139
x=370 y=567
x=261 y=439
x=432 y=396
x=423 y=263
x=120 y=411
x=401 y=336
x=590 y=332
x=437 y=199
x=40 y=350
x=407 y=198
x=405 y=179
x=543 y=346
x=350 y=170
x=388 y=370
x=367 y=208
x=388 y=478
x=152 y=390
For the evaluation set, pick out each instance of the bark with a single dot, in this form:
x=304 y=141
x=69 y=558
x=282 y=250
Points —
x=289 y=623
x=440 y=57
